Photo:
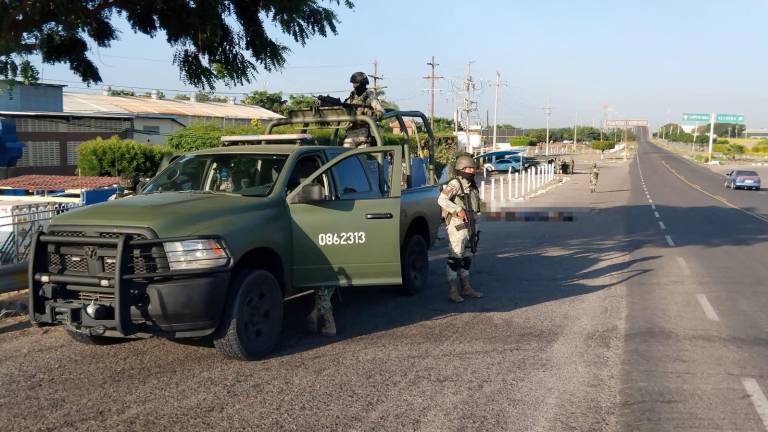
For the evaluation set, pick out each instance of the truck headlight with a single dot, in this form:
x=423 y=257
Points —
x=196 y=254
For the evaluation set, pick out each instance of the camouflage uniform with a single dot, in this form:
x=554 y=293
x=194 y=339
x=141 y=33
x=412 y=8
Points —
x=593 y=178
x=323 y=309
x=452 y=199
x=368 y=104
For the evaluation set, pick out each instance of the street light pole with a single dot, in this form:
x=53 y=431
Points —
x=711 y=135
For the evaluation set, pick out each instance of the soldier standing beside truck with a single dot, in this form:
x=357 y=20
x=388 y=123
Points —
x=365 y=102
x=459 y=201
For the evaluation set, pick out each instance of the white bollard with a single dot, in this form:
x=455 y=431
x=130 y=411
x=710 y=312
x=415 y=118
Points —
x=509 y=184
x=517 y=185
x=501 y=189
x=482 y=190
x=493 y=189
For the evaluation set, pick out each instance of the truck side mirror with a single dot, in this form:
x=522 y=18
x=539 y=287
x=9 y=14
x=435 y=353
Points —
x=309 y=193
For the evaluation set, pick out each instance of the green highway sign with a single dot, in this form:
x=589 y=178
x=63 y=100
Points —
x=729 y=118
x=696 y=117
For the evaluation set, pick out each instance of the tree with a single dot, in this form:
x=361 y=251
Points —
x=299 y=102
x=271 y=101
x=198 y=136
x=214 y=40
x=115 y=156
x=603 y=145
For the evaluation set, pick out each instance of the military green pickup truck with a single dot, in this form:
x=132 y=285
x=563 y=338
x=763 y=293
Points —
x=215 y=243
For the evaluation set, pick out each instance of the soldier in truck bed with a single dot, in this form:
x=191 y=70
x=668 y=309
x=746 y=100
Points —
x=365 y=102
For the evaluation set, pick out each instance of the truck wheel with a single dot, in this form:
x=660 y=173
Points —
x=253 y=318
x=94 y=340
x=415 y=264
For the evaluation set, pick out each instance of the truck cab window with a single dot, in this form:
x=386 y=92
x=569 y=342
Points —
x=305 y=167
x=351 y=179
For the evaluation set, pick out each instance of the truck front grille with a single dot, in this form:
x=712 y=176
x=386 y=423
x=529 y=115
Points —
x=142 y=259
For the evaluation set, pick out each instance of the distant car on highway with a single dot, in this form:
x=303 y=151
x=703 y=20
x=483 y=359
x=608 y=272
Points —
x=742 y=179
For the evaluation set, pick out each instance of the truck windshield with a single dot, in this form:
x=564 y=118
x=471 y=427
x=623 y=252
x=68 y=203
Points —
x=241 y=174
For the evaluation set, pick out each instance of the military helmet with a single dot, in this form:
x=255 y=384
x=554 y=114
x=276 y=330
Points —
x=358 y=78
x=464 y=161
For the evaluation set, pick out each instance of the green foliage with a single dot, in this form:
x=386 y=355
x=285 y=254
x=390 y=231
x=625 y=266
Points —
x=115 y=156
x=443 y=125
x=181 y=96
x=119 y=92
x=14 y=68
x=214 y=40
x=721 y=141
x=728 y=150
x=210 y=97
x=198 y=136
x=271 y=101
x=519 y=141
x=603 y=145
x=300 y=102
x=160 y=95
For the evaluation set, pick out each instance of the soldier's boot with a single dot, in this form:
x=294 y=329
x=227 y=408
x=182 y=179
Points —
x=329 y=325
x=467 y=290
x=453 y=292
x=312 y=320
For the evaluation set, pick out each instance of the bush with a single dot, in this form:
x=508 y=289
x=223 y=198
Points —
x=198 y=136
x=721 y=141
x=115 y=156
x=520 y=141
x=603 y=145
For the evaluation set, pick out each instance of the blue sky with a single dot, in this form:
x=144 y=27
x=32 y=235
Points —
x=651 y=59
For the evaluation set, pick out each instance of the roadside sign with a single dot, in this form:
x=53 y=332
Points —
x=695 y=117
x=730 y=118
x=719 y=118
x=611 y=124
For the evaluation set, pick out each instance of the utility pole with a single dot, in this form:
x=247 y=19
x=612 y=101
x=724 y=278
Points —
x=432 y=78
x=695 y=132
x=376 y=77
x=496 y=108
x=469 y=104
x=547 y=114
x=575 y=130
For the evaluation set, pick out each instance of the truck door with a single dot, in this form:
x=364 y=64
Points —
x=352 y=235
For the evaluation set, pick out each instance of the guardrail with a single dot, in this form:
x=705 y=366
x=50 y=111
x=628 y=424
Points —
x=13 y=277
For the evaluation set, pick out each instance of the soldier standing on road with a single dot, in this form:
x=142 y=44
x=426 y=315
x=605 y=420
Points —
x=459 y=196
x=593 y=178
x=365 y=102
x=323 y=310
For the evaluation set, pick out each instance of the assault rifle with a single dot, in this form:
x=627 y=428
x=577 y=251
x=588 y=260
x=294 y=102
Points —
x=471 y=224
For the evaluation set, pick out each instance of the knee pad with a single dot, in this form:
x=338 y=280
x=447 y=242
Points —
x=455 y=263
x=466 y=263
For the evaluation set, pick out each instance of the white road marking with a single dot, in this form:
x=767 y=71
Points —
x=656 y=214
x=650 y=200
x=758 y=398
x=669 y=241
x=653 y=206
x=683 y=265
x=662 y=226
x=709 y=311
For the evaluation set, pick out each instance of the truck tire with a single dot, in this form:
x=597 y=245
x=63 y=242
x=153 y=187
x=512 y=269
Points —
x=415 y=264
x=94 y=340
x=253 y=319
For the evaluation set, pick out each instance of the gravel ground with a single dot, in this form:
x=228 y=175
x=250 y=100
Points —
x=540 y=352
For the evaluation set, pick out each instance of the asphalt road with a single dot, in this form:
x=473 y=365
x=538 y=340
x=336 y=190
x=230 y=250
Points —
x=695 y=343
x=590 y=322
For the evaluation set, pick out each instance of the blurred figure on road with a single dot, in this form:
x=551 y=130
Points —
x=593 y=178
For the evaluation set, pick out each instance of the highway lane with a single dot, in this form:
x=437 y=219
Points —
x=696 y=324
